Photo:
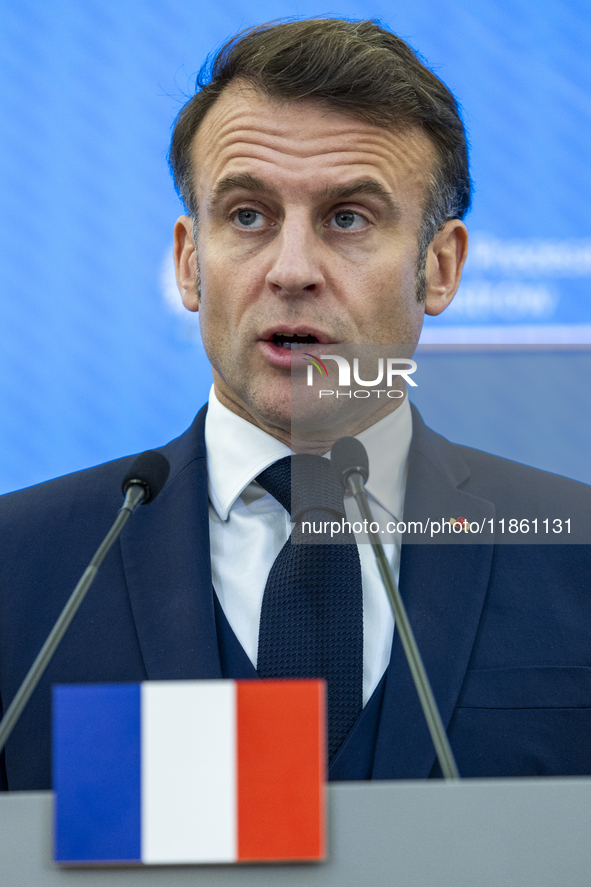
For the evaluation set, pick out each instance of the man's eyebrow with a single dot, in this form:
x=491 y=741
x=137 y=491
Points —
x=362 y=186
x=241 y=181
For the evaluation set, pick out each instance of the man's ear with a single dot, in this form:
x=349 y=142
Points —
x=445 y=259
x=185 y=263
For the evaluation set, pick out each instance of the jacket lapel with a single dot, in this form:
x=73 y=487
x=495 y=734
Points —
x=165 y=548
x=443 y=587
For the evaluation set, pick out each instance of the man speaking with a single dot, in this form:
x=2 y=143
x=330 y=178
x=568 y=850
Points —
x=325 y=175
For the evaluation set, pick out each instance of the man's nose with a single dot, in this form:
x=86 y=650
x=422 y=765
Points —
x=296 y=267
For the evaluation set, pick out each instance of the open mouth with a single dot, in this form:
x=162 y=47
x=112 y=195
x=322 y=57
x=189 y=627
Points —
x=285 y=340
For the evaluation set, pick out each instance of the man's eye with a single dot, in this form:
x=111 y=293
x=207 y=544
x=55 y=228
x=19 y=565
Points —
x=248 y=218
x=348 y=219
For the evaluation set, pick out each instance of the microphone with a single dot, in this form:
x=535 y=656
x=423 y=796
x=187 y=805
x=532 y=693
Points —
x=348 y=456
x=150 y=470
x=142 y=483
x=350 y=464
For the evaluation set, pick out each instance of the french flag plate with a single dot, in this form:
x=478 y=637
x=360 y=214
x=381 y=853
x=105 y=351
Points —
x=181 y=772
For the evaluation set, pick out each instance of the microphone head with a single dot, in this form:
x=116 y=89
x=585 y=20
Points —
x=347 y=456
x=150 y=470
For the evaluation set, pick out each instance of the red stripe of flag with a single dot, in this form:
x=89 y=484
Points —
x=281 y=769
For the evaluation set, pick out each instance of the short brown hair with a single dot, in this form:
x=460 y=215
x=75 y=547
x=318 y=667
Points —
x=357 y=67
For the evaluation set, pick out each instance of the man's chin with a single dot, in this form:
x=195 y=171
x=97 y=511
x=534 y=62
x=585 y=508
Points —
x=289 y=420
x=265 y=403
x=273 y=417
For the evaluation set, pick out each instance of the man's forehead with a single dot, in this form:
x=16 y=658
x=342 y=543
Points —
x=246 y=131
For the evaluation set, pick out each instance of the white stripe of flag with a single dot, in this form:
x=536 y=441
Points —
x=188 y=722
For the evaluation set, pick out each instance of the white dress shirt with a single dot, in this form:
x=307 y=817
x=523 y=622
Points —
x=248 y=527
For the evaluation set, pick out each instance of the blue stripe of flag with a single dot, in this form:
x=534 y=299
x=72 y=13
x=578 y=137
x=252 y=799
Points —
x=97 y=772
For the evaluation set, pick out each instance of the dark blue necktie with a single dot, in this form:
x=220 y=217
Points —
x=312 y=613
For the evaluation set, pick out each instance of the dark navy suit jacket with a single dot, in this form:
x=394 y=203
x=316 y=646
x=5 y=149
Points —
x=504 y=630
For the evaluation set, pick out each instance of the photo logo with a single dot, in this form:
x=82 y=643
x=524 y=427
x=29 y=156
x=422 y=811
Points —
x=387 y=370
x=314 y=362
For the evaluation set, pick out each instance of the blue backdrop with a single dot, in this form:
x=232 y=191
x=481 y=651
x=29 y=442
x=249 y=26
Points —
x=97 y=356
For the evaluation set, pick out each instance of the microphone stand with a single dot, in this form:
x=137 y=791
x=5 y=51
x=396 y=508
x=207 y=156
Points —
x=356 y=484
x=134 y=496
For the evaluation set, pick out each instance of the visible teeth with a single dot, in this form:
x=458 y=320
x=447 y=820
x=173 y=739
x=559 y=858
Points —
x=291 y=340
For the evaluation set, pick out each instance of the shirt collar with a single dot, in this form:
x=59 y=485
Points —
x=237 y=452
